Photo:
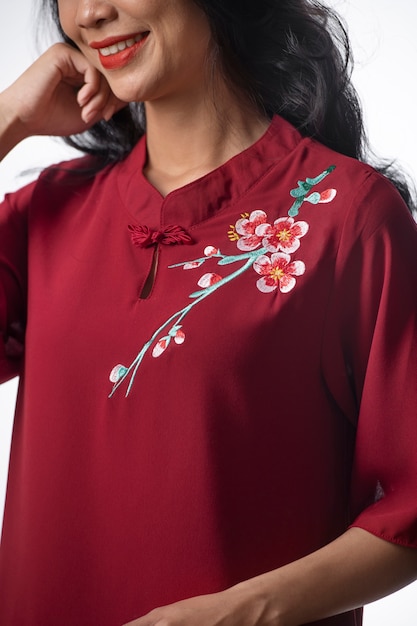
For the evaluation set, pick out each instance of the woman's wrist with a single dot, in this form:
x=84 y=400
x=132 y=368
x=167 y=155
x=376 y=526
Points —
x=12 y=130
x=259 y=601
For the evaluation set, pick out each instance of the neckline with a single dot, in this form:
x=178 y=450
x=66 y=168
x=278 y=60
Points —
x=203 y=197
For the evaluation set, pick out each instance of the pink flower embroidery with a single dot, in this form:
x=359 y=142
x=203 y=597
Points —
x=327 y=196
x=192 y=265
x=283 y=235
x=161 y=346
x=117 y=372
x=324 y=197
x=209 y=279
x=179 y=337
x=277 y=271
x=176 y=333
x=246 y=227
x=210 y=251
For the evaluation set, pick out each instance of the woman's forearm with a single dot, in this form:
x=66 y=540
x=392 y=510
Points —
x=355 y=569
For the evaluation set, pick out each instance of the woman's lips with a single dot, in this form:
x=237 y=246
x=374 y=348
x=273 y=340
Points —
x=116 y=52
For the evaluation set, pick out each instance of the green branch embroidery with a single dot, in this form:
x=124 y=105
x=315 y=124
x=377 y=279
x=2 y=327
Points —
x=265 y=247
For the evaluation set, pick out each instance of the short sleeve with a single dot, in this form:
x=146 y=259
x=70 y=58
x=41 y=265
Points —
x=13 y=280
x=370 y=358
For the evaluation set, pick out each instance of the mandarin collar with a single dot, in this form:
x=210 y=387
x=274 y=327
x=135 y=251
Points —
x=204 y=197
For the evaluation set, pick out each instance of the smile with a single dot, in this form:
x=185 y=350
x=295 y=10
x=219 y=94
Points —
x=116 y=52
x=120 y=45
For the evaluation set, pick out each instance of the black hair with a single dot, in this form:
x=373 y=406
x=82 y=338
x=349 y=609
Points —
x=288 y=57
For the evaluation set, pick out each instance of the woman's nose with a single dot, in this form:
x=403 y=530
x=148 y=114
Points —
x=90 y=13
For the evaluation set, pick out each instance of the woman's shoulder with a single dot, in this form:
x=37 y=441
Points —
x=72 y=172
x=63 y=183
x=368 y=196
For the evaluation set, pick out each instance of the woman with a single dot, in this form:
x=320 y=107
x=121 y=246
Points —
x=250 y=292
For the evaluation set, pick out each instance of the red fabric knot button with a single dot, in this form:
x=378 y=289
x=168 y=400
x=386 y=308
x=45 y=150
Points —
x=144 y=237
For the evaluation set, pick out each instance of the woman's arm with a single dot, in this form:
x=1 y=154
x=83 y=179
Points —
x=60 y=94
x=353 y=570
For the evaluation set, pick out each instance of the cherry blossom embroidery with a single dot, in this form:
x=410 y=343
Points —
x=117 y=373
x=302 y=192
x=277 y=271
x=247 y=228
x=265 y=246
x=176 y=333
x=209 y=279
x=284 y=234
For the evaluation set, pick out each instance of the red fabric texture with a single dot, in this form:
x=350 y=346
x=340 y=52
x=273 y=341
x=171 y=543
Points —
x=267 y=424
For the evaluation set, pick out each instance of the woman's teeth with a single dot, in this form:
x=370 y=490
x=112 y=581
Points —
x=120 y=46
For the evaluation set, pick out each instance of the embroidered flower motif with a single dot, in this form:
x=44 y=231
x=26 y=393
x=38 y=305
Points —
x=179 y=337
x=209 y=279
x=300 y=193
x=265 y=247
x=161 y=346
x=192 y=265
x=277 y=271
x=246 y=227
x=232 y=234
x=210 y=251
x=321 y=198
x=117 y=373
x=283 y=235
x=175 y=333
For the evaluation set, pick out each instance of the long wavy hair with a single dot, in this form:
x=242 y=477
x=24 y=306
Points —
x=287 y=57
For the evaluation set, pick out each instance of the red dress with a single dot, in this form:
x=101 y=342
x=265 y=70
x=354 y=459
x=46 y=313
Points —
x=270 y=377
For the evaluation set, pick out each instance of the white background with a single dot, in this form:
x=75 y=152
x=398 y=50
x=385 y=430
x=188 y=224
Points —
x=385 y=49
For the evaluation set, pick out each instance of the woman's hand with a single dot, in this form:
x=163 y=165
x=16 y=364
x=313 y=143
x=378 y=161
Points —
x=61 y=93
x=232 y=607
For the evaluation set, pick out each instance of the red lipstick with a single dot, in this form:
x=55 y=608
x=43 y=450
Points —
x=117 y=60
